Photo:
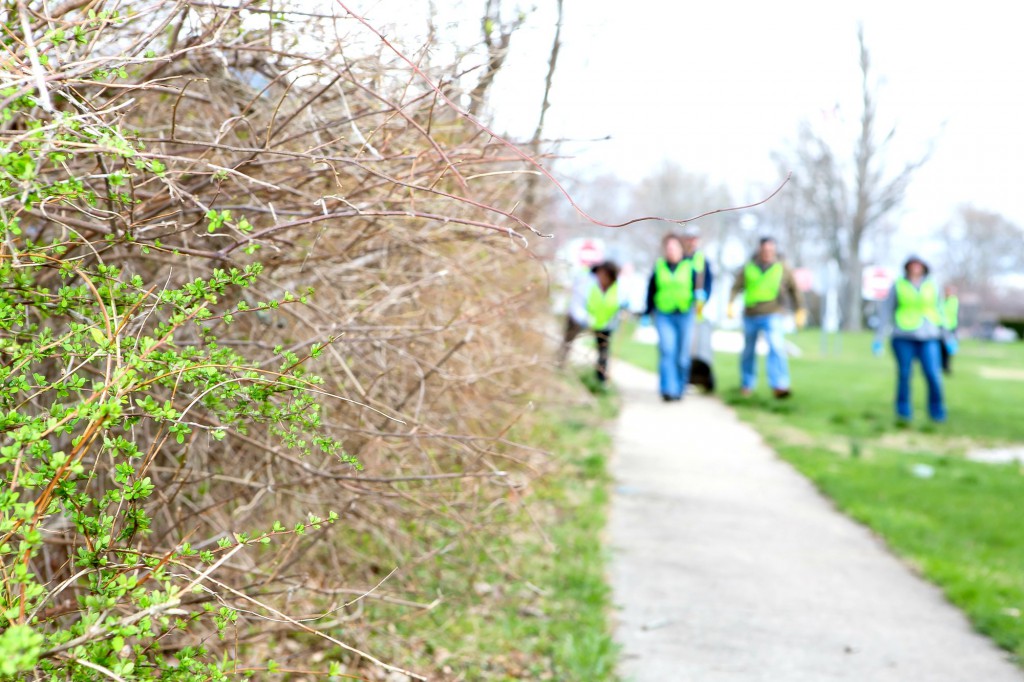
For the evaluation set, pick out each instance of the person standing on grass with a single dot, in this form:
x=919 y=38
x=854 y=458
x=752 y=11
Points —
x=764 y=282
x=672 y=297
x=951 y=322
x=912 y=314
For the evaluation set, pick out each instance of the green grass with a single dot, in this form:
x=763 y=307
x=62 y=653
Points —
x=960 y=527
x=528 y=599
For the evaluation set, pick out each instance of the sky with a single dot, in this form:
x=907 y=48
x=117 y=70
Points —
x=716 y=87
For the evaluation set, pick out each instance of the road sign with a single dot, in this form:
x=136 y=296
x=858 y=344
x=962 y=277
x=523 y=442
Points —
x=804 y=279
x=875 y=283
x=586 y=252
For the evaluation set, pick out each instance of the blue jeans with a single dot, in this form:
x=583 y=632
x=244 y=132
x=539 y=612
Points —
x=929 y=355
x=777 y=365
x=675 y=333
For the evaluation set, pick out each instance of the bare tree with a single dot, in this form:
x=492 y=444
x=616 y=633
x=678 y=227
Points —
x=787 y=220
x=531 y=204
x=980 y=245
x=672 y=190
x=497 y=36
x=849 y=197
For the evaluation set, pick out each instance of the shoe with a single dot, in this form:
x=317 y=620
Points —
x=746 y=392
x=665 y=397
x=781 y=393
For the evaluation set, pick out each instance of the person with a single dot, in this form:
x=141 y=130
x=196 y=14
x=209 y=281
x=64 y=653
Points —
x=599 y=312
x=763 y=282
x=951 y=322
x=671 y=294
x=912 y=315
x=603 y=306
x=701 y=268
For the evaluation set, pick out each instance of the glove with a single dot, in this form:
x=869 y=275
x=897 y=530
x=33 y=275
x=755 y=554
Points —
x=952 y=346
x=800 y=317
x=731 y=311
x=645 y=320
x=876 y=348
x=701 y=296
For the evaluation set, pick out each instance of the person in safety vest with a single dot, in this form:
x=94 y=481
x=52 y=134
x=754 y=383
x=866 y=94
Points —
x=673 y=298
x=600 y=313
x=950 y=322
x=764 y=282
x=701 y=268
x=912 y=314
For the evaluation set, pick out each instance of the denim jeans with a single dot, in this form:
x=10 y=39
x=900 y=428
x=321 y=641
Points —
x=675 y=334
x=777 y=365
x=929 y=355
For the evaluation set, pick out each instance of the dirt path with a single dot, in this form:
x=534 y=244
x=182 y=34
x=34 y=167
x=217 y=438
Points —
x=728 y=565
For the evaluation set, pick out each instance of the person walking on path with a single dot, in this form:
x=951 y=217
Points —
x=701 y=268
x=603 y=306
x=576 y=318
x=764 y=282
x=912 y=314
x=951 y=322
x=596 y=307
x=672 y=293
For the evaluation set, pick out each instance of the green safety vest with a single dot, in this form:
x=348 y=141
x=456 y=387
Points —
x=603 y=306
x=761 y=286
x=674 y=289
x=951 y=313
x=914 y=306
x=698 y=261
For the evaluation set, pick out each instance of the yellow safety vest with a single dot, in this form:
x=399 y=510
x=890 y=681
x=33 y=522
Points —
x=914 y=305
x=603 y=306
x=761 y=286
x=674 y=289
x=698 y=261
x=951 y=313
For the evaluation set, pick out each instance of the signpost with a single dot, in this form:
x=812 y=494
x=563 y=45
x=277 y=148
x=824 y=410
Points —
x=830 y=309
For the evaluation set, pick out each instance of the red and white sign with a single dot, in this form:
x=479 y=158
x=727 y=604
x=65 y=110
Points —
x=804 y=279
x=875 y=283
x=588 y=252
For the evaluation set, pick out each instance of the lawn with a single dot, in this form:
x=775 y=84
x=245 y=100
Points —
x=954 y=520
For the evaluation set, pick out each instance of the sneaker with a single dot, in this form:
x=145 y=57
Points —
x=781 y=393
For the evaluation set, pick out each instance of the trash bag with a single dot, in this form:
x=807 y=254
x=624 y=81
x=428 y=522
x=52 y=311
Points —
x=702 y=356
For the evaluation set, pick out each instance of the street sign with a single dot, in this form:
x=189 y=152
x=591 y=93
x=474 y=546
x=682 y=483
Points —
x=587 y=252
x=875 y=283
x=804 y=279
